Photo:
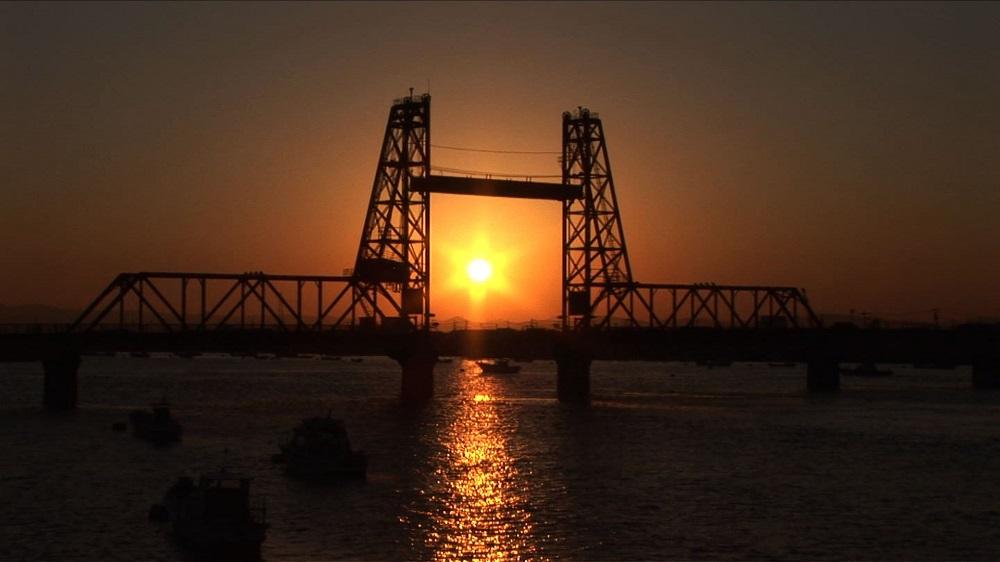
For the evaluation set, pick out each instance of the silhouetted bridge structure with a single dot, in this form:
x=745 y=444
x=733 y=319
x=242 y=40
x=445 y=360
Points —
x=383 y=304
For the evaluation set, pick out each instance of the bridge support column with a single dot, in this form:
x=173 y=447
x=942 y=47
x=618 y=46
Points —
x=416 y=355
x=822 y=375
x=60 y=381
x=573 y=360
x=986 y=374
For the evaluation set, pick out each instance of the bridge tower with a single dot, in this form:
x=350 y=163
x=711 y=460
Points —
x=597 y=276
x=391 y=278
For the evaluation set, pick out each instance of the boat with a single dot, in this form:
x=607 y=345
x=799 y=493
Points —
x=498 y=367
x=217 y=516
x=357 y=359
x=710 y=363
x=319 y=449
x=944 y=365
x=156 y=424
x=783 y=364
x=865 y=370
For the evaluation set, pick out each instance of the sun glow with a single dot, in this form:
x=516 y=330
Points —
x=479 y=270
x=523 y=263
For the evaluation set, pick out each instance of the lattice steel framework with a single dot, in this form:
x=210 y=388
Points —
x=707 y=305
x=389 y=286
x=596 y=272
x=180 y=302
x=393 y=259
x=598 y=289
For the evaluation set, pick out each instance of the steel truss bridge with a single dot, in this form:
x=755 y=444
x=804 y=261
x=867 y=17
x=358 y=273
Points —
x=383 y=304
x=389 y=287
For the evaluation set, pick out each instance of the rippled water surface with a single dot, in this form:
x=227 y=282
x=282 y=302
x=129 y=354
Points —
x=670 y=461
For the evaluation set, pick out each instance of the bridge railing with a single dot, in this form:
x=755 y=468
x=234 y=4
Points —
x=171 y=302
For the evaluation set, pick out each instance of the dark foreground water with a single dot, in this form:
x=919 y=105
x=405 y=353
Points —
x=670 y=461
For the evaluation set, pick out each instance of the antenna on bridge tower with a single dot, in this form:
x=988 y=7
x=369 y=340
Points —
x=394 y=255
x=596 y=270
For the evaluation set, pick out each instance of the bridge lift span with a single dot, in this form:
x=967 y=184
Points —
x=598 y=291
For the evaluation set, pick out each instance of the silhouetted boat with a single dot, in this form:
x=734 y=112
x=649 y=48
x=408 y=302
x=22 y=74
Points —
x=784 y=364
x=156 y=424
x=714 y=363
x=331 y=358
x=215 y=517
x=934 y=365
x=319 y=449
x=357 y=359
x=498 y=367
x=865 y=370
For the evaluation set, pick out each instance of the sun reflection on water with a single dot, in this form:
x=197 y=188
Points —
x=478 y=509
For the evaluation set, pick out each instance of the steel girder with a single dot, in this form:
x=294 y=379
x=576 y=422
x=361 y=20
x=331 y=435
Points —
x=180 y=302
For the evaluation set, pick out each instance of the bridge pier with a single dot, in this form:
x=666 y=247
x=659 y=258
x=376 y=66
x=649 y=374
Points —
x=60 y=381
x=573 y=360
x=986 y=374
x=823 y=375
x=416 y=356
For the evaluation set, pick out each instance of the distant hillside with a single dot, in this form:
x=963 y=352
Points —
x=36 y=314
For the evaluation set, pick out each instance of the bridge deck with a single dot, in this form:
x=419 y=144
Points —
x=959 y=346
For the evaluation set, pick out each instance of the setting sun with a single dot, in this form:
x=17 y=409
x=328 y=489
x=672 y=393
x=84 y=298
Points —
x=479 y=270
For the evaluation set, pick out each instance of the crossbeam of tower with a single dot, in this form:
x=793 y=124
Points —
x=497 y=188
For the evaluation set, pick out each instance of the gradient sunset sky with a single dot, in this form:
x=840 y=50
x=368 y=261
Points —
x=852 y=149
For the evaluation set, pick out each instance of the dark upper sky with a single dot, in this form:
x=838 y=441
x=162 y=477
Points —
x=852 y=149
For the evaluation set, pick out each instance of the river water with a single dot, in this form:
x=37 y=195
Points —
x=669 y=461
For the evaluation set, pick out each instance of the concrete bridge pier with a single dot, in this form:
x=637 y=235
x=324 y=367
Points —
x=573 y=360
x=822 y=375
x=60 y=392
x=986 y=374
x=417 y=356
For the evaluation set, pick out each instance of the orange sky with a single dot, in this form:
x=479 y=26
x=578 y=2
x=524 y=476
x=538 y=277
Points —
x=849 y=148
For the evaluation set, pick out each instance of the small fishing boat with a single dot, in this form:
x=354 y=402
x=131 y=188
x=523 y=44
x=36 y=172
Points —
x=710 y=363
x=319 y=449
x=865 y=370
x=155 y=425
x=498 y=367
x=944 y=365
x=217 y=516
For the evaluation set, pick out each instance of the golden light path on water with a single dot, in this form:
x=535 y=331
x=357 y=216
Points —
x=481 y=506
